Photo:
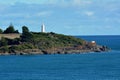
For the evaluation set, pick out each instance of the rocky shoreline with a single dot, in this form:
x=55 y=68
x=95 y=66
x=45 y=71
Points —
x=66 y=50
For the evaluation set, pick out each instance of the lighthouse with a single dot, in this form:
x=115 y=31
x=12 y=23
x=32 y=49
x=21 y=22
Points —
x=43 y=28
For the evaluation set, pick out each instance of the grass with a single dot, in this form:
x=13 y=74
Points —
x=10 y=36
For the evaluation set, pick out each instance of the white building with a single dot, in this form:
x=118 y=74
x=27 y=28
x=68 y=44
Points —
x=43 y=28
x=93 y=42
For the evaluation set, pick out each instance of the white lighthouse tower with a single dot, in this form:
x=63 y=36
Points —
x=43 y=28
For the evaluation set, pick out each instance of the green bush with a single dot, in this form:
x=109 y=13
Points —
x=1 y=31
x=3 y=42
x=10 y=29
x=4 y=49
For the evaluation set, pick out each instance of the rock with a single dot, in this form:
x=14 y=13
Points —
x=67 y=50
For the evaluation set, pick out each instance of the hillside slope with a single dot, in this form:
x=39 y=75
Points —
x=46 y=43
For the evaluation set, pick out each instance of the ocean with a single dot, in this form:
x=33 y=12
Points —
x=87 y=66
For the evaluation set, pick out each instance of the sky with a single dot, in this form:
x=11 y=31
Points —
x=70 y=17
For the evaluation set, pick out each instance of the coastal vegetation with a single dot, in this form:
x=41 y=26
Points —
x=36 y=40
x=42 y=43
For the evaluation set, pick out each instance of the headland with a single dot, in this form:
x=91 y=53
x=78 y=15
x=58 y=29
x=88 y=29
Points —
x=27 y=42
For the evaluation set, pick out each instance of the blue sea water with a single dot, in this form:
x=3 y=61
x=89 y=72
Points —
x=94 y=66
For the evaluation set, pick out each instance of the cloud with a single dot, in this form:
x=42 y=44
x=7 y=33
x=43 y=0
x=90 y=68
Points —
x=50 y=2
x=3 y=7
x=73 y=2
x=62 y=14
x=81 y=2
x=89 y=13
x=44 y=13
x=27 y=15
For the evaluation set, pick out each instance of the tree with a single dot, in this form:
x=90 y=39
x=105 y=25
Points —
x=1 y=31
x=25 y=30
x=16 y=31
x=26 y=35
x=11 y=29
